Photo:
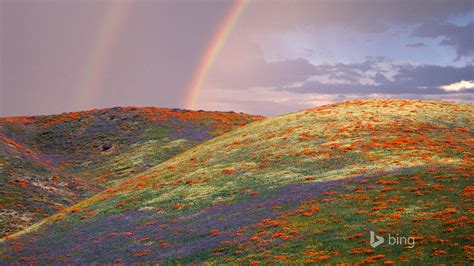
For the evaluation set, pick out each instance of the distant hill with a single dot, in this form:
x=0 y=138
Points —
x=49 y=162
x=305 y=187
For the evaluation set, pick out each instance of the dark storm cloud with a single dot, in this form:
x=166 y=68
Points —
x=433 y=76
x=363 y=16
x=416 y=45
x=460 y=38
x=410 y=79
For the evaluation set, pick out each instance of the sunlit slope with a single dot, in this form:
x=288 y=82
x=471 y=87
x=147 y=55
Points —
x=262 y=192
x=49 y=162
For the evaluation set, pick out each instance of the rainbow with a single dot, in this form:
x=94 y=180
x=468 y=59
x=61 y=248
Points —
x=108 y=34
x=212 y=51
x=94 y=73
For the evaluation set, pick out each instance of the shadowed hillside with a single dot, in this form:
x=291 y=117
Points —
x=49 y=162
x=303 y=187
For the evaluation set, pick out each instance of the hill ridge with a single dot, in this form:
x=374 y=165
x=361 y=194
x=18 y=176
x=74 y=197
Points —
x=69 y=156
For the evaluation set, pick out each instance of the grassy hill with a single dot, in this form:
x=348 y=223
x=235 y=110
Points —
x=303 y=187
x=49 y=162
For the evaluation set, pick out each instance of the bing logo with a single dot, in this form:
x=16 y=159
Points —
x=376 y=240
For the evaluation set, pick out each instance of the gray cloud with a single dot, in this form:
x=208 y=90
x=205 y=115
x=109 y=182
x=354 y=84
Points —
x=432 y=76
x=363 y=16
x=409 y=79
x=416 y=45
x=460 y=38
x=374 y=75
x=389 y=88
x=380 y=78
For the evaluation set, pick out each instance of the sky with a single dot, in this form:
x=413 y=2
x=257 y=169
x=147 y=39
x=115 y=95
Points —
x=266 y=57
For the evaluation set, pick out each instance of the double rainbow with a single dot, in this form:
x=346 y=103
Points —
x=109 y=33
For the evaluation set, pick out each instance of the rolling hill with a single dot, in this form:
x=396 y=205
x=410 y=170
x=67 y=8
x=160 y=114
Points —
x=50 y=162
x=305 y=187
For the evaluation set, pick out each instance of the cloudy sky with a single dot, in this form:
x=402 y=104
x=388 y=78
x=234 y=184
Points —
x=277 y=56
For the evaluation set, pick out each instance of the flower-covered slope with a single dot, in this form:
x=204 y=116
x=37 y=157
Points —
x=49 y=162
x=303 y=187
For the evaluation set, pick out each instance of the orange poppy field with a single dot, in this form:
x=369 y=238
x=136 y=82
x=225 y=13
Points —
x=170 y=186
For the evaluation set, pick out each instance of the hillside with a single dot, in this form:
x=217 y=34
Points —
x=50 y=162
x=303 y=187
